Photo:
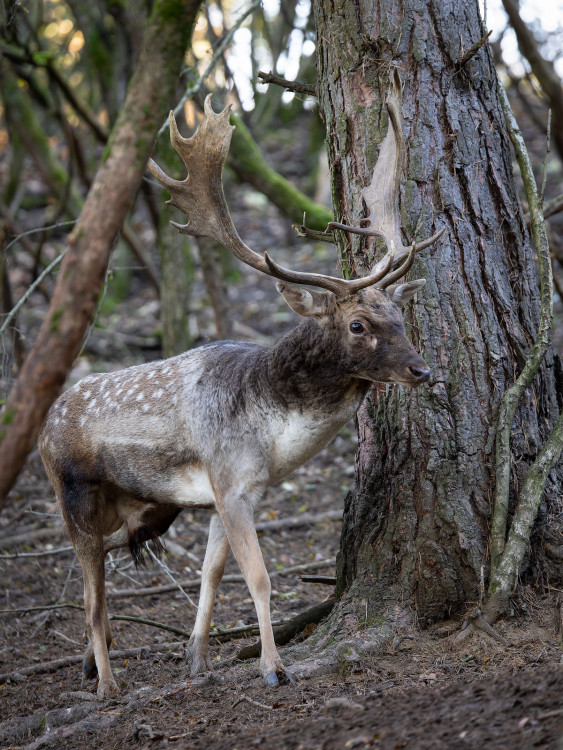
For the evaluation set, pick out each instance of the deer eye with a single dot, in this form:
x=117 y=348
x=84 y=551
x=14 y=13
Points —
x=356 y=327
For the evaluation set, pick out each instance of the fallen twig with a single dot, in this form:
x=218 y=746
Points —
x=327 y=580
x=152 y=623
x=242 y=698
x=53 y=666
x=43 y=533
x=196 y=582
x=43 y=553
x=42 y=608
x=302 y=520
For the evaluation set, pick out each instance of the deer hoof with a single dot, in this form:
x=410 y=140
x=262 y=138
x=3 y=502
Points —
x=199 y=666
x=107 y=689
x=197 y=661
x=280 y=677
x=89 y=669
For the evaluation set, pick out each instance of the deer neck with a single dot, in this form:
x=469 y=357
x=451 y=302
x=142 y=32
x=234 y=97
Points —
x=307 y=371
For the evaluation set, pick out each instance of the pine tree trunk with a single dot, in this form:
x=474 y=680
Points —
x=416 y=526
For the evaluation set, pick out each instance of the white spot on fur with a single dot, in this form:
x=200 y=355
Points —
x=145 y=407
x=140 y=396
x=86 y=394
x=91 y=404
x=82 y=421
x=151 y=374
x=159 y=393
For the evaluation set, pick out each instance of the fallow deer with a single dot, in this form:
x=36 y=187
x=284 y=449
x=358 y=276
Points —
x=214 y=427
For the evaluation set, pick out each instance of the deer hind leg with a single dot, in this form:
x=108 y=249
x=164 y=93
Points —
x=237 y=515
x=211 y=574
x=83 y=508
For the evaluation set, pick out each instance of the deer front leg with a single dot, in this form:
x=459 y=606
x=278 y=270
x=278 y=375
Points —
x=237 y=515
x=211 y=574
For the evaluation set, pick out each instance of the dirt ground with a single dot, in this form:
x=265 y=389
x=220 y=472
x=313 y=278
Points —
x=417 y=691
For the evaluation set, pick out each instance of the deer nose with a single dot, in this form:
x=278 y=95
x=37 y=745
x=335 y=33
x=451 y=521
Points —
x=420 y=373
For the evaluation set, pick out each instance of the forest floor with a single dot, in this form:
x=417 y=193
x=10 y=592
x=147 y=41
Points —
x=417 y=691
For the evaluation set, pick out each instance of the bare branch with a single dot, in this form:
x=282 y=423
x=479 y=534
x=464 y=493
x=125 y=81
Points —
x=43 y=553
x=193 y=88
x=296 y=86
x=23 y=299
x=546 y=157
x=152 y=623
x=229 y=578
x=472 y=51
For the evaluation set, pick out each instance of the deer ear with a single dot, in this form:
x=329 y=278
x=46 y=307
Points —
x=304 y=302
x=401 y=293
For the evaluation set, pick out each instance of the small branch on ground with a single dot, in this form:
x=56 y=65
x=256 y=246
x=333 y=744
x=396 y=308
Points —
x=66 y=661
x=43 y=608
x=327 y=580
x=43 y=553
x=230 y=578
x=302 y=520
x=151 y=623
x=242 y=698
x=35 y=535
x=313 y=234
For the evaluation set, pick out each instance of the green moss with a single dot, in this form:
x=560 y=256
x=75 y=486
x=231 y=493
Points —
x=55 y=320
x=8 y=416
x=251 y=166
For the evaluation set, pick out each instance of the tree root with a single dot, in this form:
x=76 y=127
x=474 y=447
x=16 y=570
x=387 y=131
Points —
x=477 y=621
x=288 y=630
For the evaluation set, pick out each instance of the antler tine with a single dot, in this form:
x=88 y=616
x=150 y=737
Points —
x=401 y=271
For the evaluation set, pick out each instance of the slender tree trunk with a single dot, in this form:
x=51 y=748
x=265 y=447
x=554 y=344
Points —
x=83 y=269
x=416 y=527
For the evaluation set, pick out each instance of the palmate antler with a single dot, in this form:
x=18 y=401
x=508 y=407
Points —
x=382 y=196
x=200 y=196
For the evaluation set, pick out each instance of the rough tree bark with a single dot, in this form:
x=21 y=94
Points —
x=416 y=527
x=83 y=269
